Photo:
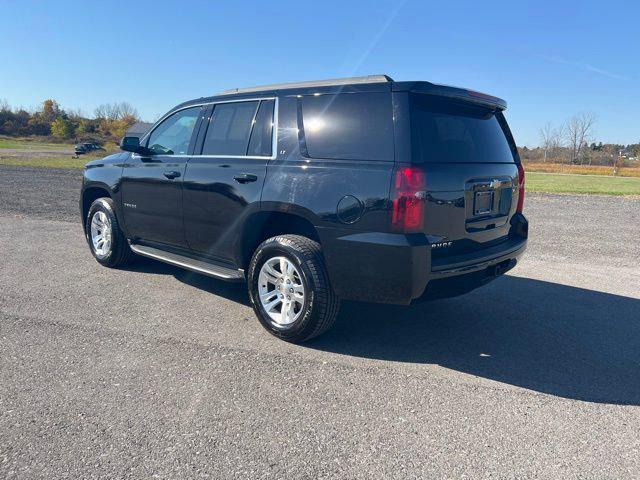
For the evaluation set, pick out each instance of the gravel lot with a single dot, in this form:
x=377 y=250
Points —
x=157 y=372
x=43 y=193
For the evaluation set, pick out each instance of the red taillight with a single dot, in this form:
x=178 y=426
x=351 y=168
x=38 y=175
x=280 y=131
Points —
x=408 y=200
x=520 y=188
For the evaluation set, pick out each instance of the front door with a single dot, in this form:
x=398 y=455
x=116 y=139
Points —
x=223 y=184
x=152 y=185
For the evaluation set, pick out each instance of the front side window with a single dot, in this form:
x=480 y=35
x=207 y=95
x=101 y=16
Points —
x=230 y=128
x=173 y=135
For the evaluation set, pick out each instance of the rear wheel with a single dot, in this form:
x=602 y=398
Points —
x=289 y=288
x=106 y=240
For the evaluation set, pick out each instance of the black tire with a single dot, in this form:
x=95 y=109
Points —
x=321 y=304
x=120 y=254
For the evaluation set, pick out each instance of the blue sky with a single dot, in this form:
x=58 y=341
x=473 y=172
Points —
x=548 y=59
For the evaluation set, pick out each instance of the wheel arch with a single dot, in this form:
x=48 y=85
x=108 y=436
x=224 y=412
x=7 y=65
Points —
x=91 y=193
x=262 y=225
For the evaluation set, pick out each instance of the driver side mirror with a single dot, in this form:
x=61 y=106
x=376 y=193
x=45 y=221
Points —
x=132 y=144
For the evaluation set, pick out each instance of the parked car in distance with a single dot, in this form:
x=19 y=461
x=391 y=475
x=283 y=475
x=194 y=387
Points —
x=352 y=189
x=82 y=148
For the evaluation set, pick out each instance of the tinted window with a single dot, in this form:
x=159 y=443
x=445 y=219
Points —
x=261 y=136
x=447 y=131
x=229 y=128
x=349 y=126
x=173 y=135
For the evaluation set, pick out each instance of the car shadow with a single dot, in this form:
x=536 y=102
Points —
x=547 y=337
x=551 y=338
x=236 y=292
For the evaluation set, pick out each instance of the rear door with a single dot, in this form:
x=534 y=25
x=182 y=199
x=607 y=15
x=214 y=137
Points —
x=470 y=170
x=152 y=185
x=223 y=182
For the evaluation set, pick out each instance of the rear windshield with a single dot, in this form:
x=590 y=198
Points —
x=444 y=130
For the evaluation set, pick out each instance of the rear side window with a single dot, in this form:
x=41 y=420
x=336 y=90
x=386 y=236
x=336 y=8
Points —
x=443 y=130
x=262 y=134
x=230 y=128
x=352 y=126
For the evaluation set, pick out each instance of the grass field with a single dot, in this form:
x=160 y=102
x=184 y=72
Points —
x=553 y=183
x=32 y=144
x=48 y=162
x=633 y=171
x=38 y=152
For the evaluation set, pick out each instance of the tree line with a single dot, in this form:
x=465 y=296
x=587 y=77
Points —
x=573 y=142
x=109 y=122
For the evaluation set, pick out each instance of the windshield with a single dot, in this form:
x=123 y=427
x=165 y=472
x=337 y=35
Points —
x=445 y=130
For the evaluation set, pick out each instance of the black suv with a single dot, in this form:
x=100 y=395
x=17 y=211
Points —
x=358 y=189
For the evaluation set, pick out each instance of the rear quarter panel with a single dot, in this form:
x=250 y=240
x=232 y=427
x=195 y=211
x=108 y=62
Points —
x=313 y=188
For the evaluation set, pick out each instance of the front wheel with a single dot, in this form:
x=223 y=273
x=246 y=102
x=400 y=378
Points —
x=289 y=288
x=106 y=240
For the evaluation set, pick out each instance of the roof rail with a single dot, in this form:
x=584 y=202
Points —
x=312 y=83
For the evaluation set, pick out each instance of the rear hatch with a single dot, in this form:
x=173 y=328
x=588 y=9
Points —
x=464 y=153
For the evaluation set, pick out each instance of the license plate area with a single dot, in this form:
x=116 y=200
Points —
x=483 y=203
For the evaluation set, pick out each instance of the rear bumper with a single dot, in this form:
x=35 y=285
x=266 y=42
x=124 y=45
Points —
x=396 y=268
x=465 y=264
x=456 y=282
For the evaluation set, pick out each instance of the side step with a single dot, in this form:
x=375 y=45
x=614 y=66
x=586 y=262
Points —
x=224 y=273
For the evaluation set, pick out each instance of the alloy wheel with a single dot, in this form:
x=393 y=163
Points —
x=101 y=234
x=281 y=291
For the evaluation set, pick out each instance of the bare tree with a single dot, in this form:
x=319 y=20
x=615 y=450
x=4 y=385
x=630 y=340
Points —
x=75 y=114
x=104 y=111
x=115 y=111
x=578 y=129
x=557 y=143
x=551 y=141
x=545 y=139
x=127 y=110
x=611 y=151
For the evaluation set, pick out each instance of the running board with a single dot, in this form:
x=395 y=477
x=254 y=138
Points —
x=224 y=273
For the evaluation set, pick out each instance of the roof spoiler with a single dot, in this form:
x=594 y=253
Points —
x=453 y=92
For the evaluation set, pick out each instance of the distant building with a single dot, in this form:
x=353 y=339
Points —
x=138 y=129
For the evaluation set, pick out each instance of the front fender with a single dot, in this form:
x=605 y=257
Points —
x=103 y=174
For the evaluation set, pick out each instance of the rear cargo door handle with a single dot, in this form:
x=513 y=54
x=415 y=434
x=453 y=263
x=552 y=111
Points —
x=171 y=174
x=245 y=178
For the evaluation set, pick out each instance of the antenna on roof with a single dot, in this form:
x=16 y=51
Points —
x=313 y=83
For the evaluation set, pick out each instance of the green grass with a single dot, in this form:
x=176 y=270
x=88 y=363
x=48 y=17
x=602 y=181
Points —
x=32 y=144
x=553 y=183
x=49 y=162
x=40 y=152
